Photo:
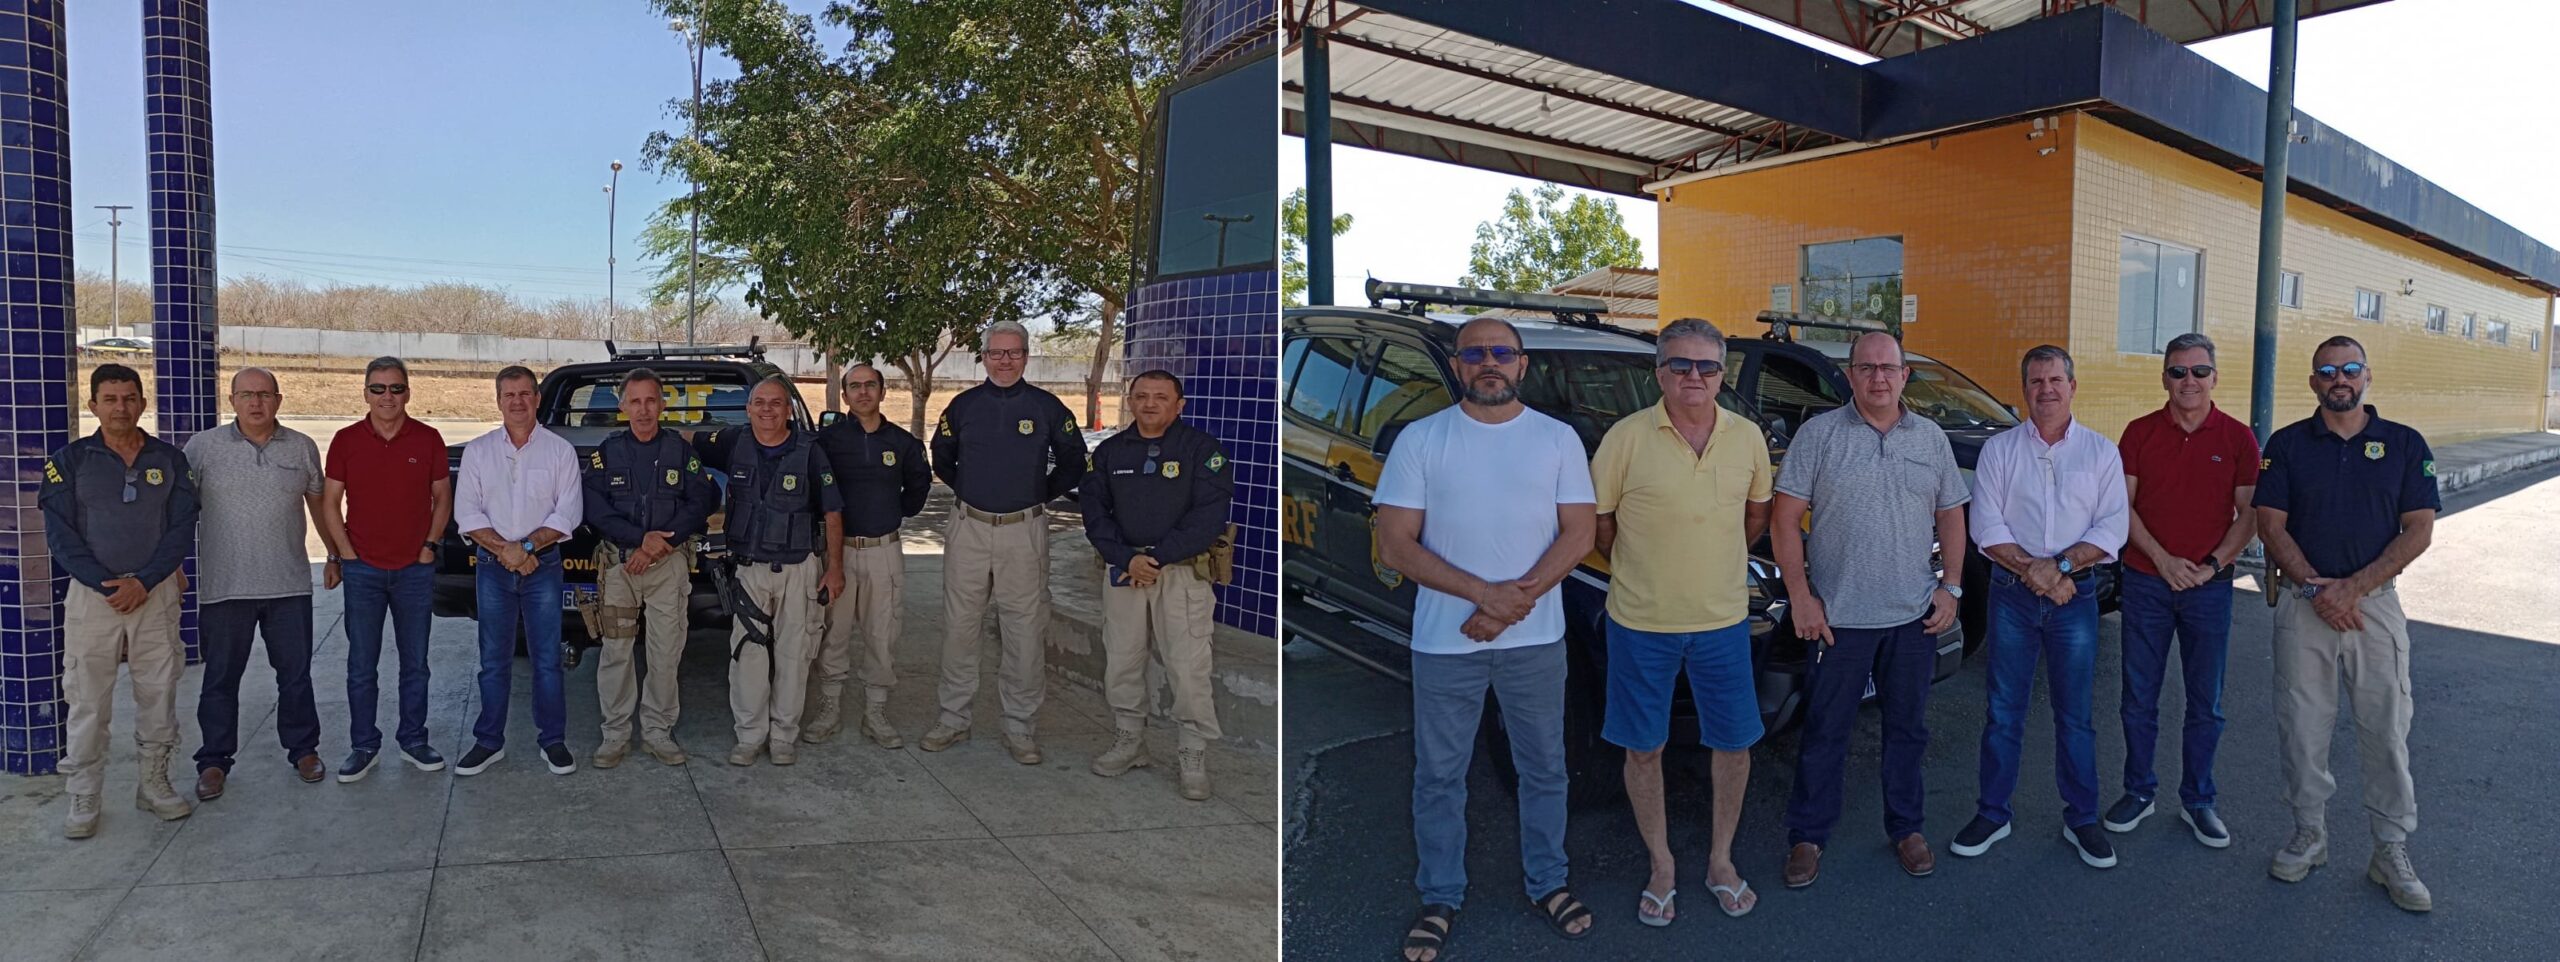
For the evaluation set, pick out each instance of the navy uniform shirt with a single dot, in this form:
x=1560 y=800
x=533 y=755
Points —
x=1163 y=497
x=621 y=469
x=96 y=533
x=736 y=452
x=882 y=473
x=2343 y=497
x=1003 y=449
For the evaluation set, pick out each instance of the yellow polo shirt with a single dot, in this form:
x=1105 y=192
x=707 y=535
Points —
x=1679 y=561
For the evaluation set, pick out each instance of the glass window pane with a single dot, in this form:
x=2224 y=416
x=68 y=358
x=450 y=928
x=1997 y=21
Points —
x=1406 y=385
x=2137 y=295
x=1220 y=190
x=1589 y=390
x=2179 y=281
x=2289 y=289
x=1859 y=279
x=1789 y=389
x=1317 y=392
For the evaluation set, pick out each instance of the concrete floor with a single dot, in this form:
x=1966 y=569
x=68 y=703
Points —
x=855 y=852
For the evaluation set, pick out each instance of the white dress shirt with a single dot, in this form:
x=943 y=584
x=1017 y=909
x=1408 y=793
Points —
x=2044 y=498
x=514 y=490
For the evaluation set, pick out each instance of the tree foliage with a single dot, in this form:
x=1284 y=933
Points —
x=1293 y=242
x=1541 y=240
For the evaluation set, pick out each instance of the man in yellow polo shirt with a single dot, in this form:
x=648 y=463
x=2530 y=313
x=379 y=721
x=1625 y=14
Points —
x=1683 y=490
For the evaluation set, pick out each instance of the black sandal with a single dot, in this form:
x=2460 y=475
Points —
x=1433 y=936
x=1561 y=909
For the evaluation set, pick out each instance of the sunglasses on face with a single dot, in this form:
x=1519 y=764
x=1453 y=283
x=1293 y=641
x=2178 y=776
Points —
x=2184 y=371
x=1699 y=366
x=2332 y=372
x=386 y=389
x=1489 y=355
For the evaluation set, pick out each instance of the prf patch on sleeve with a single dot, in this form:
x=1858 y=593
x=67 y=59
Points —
x=2266 y=463
x=52 y=472
x=595 y=459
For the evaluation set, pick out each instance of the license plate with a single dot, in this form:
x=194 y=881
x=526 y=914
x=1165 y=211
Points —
x=572 y=595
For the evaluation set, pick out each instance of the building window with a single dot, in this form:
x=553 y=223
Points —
x=2494 y=332
x=1859 y=280
x=2155 y=294
x=2368 y=305
x=2470 y=323
x=2289 y=289
x=2435 y=319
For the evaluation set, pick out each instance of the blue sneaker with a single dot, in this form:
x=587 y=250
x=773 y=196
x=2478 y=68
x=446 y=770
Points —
x=2207 y=826
x=2128 y=813
x=423 y=756
x=359 y=764
x=478 y=760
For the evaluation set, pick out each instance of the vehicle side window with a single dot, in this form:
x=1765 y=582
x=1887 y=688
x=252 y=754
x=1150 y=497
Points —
x=1404 y=386
x=1793 y=390
x=1316 y=387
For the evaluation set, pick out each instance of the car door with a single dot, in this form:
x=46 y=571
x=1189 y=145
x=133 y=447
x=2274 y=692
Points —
x=1402 y=380
x=1318 y=374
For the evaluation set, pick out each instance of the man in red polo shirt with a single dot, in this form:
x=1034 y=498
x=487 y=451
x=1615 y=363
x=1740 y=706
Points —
x=390 y=472
x=2190 y=471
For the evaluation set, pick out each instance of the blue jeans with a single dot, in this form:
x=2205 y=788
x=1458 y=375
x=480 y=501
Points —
x=508 y=600
x=2201 y=619
x=227 y=627
x=2023 y=625
x=1903 y=660
x=1448 y=701
x=408 y=594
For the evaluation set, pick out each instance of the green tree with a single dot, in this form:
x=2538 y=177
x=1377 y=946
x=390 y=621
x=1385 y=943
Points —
x=1293 y=240
x=1541 y=240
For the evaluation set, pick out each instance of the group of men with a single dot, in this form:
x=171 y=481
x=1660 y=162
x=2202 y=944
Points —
x=1675 y=495
x=812 y=533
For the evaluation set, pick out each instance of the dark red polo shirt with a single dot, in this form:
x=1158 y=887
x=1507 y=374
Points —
x=390 y=488
x=2184 y=498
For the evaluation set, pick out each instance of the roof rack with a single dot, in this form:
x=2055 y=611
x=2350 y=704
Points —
x=1568 y=309
x=1782 y=326
x=753 y=350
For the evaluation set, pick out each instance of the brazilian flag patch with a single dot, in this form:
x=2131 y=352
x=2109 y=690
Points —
x=693 y=465
x=2427 y=468
x=1215 y=463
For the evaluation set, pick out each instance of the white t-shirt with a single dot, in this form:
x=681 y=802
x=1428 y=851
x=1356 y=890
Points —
x=1488 y=493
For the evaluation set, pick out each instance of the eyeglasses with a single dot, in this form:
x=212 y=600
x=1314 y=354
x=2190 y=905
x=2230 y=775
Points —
x=1699 y=366
x=2184 y=371
x=130 y=493
x=1152 y=451
x=1496 y=354
x=2332 y=372
x=1863 y=369
x=383 y=388
x=256 y=396
x=866 y=385
x=1005 y=354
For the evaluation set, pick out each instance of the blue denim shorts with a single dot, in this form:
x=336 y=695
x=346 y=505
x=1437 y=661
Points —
x=1642 y=666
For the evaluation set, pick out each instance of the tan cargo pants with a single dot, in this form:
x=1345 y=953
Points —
x=1180 y=612
x=875 y=576
x=94 y=639
x=2310 y=660
x=662 y=591
x=768 y=688
x=1006 y=566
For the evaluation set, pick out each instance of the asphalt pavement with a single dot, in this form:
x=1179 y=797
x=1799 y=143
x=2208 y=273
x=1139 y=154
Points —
x=2485 y=648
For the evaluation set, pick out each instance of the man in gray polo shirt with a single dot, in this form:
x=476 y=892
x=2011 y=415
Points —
x=1883 y=486
x=255 y=480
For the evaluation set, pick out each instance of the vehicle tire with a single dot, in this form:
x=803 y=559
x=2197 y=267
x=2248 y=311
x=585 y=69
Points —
x=1593 y=767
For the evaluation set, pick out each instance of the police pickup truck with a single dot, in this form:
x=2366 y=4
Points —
x=1353 y=377
x=706 y=390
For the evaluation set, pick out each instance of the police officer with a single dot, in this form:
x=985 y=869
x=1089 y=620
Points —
x=1156 y=501
x=1005 y=447
x=881 y=470
x=783 y=509
x=120 y=515
x=2346 y=501
x=647 y=498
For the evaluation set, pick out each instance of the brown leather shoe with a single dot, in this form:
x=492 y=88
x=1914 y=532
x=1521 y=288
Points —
x=209 y=784
x=1917 y=860
x=308 y=768
x=1804 y=864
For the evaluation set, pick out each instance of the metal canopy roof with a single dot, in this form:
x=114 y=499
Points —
x=1889 y=28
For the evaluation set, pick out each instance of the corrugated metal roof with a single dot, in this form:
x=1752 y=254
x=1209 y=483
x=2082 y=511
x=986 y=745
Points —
x=1634 y=296
x=1888 y=28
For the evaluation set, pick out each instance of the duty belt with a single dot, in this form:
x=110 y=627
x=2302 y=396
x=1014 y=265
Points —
x=755 y=624
x=861 y=542
x=1000 y=520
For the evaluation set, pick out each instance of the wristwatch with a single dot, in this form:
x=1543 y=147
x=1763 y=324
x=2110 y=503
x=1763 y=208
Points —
x=1956 y=591
x=2211 y=562
x=527 y=545
x=2306 y=591
x=2062 y=561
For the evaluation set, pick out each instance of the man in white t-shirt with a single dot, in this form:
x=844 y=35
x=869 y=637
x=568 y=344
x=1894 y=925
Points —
x=1487 y=506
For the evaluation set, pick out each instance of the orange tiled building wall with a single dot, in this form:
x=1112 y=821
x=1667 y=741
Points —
x=2007 y=247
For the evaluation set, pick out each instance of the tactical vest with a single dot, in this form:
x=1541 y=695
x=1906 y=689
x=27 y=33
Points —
x=649 y=495
x=773 y=515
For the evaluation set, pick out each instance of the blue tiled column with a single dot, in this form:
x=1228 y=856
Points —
x=178 y=97
x=35 y=372
x=1221 y=335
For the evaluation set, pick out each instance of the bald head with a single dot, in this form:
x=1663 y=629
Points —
x=1482 y=327
x=1877 y=375
x=253 y=379
x=256 y=399
x=1875 y=347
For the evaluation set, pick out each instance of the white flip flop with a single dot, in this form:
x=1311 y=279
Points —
x=1661 y=904
x=1720 y=891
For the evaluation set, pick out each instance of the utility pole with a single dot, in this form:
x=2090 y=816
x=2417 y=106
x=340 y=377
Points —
x=2279 y=143
x=1223 y=222
x=610 y=197
x=115 y=282
x=693 y=200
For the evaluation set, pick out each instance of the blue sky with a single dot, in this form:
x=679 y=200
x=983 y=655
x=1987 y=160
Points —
x=2435 y=85
x=398 y=143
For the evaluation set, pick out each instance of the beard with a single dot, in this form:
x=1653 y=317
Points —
x=1506 y=393
x=2337 y=405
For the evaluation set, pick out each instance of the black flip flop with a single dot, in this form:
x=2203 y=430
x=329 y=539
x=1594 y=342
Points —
x=1420 y=935
x=1561 y=909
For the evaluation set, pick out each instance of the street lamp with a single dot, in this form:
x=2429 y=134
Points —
x=115 y=280
x=609 y=239
x=693 y=200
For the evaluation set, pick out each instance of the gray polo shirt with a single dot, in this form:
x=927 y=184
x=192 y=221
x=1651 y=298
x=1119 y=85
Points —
x=1875 y=498
x=249 y=540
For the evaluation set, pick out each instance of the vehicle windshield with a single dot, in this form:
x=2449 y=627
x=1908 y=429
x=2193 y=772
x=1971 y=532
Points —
x=712 y=398
x=1591 y=390
x=1939 y=393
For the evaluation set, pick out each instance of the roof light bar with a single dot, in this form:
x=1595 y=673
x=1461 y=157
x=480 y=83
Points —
x=1415 y=296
